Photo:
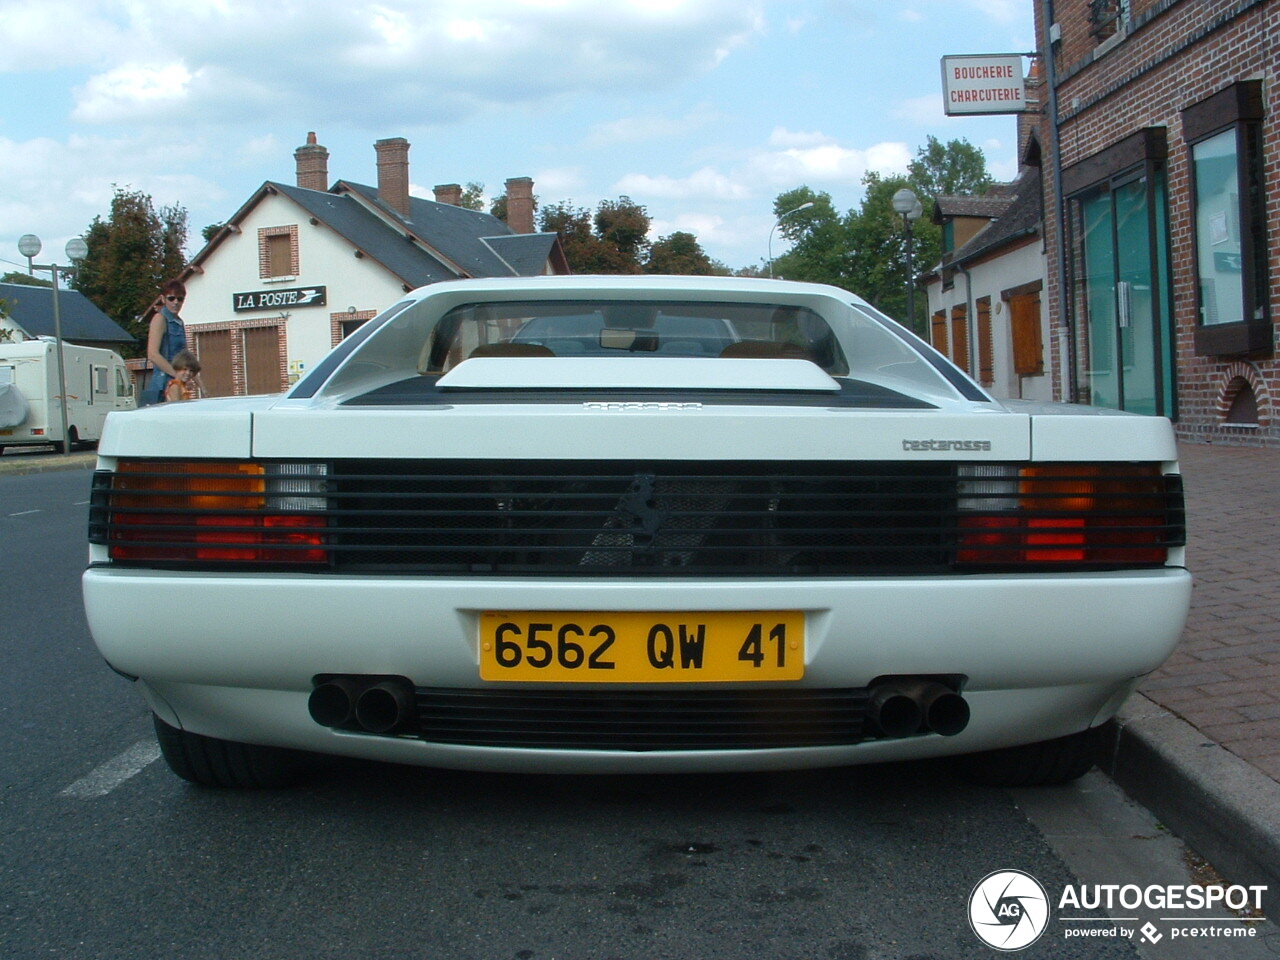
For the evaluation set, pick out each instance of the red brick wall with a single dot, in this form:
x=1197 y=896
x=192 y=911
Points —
x=1176 y=54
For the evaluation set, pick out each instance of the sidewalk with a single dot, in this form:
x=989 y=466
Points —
x=1224 y=679
x=1200 y=743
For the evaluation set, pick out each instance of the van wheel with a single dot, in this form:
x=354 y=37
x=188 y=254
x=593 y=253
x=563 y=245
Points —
x=1033 y=764
x=210 y=762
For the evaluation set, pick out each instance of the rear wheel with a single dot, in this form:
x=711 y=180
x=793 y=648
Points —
x=1033 y=764
x=211 y=762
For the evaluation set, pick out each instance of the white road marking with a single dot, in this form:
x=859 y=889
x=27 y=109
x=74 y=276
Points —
x=80 y=503
x=107 y=776
x=23 y=513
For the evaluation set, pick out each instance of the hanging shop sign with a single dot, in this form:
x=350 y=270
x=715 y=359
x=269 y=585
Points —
x=275 y=299
x=982 y=84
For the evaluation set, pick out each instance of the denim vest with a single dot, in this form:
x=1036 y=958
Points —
x=173 y=341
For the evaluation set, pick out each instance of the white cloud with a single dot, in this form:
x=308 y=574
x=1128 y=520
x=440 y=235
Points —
x=408 y=61
x=704 y=184
x=132 y=91
x=786 y=139
x=647 y=128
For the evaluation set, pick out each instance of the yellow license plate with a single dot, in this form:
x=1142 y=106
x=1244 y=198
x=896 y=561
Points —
x=6 y=433
x=690 y=647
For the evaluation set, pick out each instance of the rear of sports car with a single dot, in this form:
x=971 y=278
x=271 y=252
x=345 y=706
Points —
x=643 y=525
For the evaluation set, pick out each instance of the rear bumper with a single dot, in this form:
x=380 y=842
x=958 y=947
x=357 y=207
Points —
x=1043 y=656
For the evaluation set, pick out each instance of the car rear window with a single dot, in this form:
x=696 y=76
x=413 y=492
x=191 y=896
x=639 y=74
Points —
x=577 y=328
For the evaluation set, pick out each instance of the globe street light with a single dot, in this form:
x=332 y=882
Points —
x=803 y=206
x=29 y=246
x=908 y=204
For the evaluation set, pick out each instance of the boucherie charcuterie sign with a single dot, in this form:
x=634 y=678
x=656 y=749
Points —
x=988 y=83
x=273 y=299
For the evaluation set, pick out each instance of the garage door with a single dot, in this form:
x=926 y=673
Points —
x=214 y=350
x=262 y=360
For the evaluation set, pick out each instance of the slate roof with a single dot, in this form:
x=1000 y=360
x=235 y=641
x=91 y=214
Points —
x=465 y=236
x=1021 y=218
x=367 y=232
x=31 y=308
x=990 y=205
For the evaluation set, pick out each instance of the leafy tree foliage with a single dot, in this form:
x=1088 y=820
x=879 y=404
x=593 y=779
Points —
x=131 y=254
x=680 y=253
x=211 y=231
x=612 y=240
x=25 y=279
x=865 y=250
x=473 y=197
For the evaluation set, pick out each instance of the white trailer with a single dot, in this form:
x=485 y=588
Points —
x=97 y=383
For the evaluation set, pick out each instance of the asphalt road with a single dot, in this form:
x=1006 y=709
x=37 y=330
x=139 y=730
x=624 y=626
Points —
x=105 y=854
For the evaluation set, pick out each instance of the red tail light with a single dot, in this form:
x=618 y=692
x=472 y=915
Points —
x=197 y=511
x=1064 y=514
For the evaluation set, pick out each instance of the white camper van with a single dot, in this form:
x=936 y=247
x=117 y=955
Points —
x=97 y=383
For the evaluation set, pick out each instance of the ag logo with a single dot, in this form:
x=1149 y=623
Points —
x=1008 y=910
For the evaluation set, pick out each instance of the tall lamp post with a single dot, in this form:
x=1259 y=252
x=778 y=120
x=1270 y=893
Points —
x=781 y=217
x=908 y=204
x=29 y=246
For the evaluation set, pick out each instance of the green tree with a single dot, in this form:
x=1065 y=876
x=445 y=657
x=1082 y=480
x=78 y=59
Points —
x=472 y=197
x=25 y=279
x=953 y=169
x=680 y=253
x=612 y=240
x=131 y=255
x=865 y=250
x=211 y=231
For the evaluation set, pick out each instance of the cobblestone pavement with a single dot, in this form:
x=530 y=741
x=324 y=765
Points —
x=1224 y=678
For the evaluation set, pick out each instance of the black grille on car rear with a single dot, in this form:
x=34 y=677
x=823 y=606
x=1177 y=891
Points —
x=627 y=518
x=633 y=720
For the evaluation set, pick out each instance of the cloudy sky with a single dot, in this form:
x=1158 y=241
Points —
x=701 y=110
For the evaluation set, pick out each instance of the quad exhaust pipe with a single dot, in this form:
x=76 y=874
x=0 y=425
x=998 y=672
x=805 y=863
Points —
x=368 y=704
x=904 y=707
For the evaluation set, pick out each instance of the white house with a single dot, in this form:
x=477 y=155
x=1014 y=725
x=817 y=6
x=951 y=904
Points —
x=986 y=298
x=299 y=266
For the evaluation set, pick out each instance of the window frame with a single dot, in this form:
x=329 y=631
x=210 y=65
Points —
x=1238 y=108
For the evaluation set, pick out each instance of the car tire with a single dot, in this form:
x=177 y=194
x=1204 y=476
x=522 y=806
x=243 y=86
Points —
x=210 y=762
x=1033 y=764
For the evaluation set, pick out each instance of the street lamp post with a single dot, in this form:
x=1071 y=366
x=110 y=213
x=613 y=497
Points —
x=908 y=204
x=803 y=206
x=29 y=246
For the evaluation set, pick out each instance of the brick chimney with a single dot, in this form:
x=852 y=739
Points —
x=313 y=165
x=520 y=204
x=450 y=193
x=393 y=174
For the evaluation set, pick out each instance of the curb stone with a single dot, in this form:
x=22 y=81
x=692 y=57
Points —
x=16 y=466
x=1222 y=806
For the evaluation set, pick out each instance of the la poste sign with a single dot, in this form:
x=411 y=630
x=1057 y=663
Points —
x=984 y=83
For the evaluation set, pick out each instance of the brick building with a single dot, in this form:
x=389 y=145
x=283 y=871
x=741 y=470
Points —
x=300 y=266
x=1163 y=259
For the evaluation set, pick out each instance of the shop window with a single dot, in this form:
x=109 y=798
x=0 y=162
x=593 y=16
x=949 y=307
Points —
x=1224 y=134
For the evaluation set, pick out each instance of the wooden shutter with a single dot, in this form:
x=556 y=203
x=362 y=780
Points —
x=986 y=343
x=280 y=255
x=262 y=360
x=214 y=350
x=1028 y=345
x=960 y=336
x=938 y=331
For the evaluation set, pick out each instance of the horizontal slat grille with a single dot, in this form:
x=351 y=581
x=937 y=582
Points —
x=640 y=518
x=642 y=720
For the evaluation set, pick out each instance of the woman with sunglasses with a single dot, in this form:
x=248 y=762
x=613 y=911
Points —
x=166 y=338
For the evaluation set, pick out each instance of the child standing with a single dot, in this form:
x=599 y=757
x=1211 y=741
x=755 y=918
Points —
x=186 y=385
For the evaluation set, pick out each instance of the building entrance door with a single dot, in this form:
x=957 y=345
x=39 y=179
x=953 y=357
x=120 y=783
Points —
x=1127 y=358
